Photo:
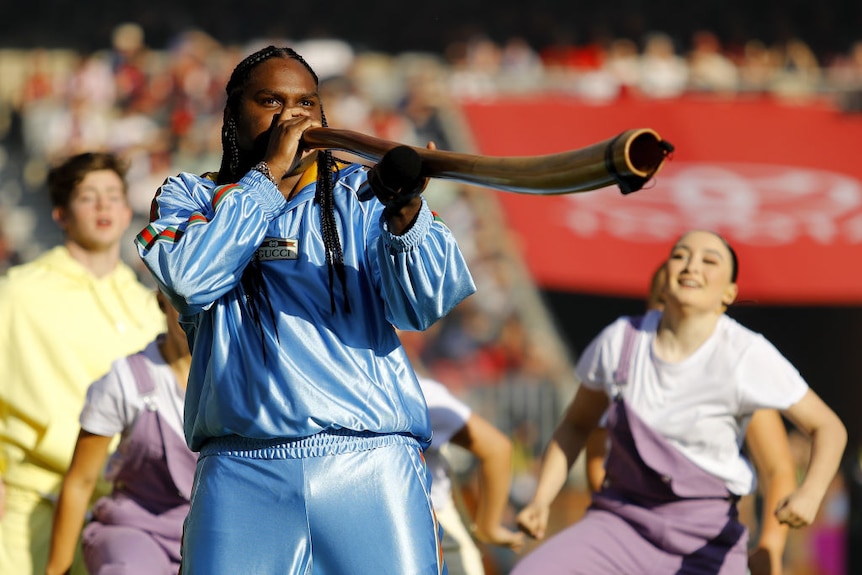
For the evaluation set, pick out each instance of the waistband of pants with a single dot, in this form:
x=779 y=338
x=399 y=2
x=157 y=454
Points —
x=327 y=442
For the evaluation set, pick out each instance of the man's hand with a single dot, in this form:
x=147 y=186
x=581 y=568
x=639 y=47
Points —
x=397 y=182
x=397 y=178
x=285 y=155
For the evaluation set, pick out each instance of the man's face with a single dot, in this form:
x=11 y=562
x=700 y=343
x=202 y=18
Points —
x=274 y=85
x=98 y=213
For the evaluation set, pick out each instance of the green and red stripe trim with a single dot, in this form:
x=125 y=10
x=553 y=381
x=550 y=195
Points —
x=437 y=217
x=150 y=236
x=222 y=192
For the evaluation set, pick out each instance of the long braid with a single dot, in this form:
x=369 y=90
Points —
x=234 y=166
x=325 y=196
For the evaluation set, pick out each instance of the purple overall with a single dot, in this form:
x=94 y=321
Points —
x=656 y=514
x=137 y=529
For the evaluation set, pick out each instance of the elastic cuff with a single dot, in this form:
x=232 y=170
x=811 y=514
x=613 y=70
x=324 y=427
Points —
x=412 y=237
x=264 y=192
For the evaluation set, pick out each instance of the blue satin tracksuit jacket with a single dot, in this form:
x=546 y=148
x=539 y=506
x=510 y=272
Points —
x=302 y=368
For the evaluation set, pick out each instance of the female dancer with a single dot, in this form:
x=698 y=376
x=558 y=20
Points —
x=680 y=387
x=137 y=529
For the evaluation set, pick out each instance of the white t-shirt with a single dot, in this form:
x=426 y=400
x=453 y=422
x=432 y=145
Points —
x=114 y=402
x=448 y=416
x=703 y=404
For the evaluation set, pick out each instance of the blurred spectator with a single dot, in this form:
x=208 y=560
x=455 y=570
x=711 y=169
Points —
x=92 y=80
x=709 y=69
x=424 y=97
x=134 y=127
x=758 y=67
x=330 y=57
x=845 y=76
x=129 y=62
x=186 y=91
x=521 y=68
x=346 y=108
x=664 y=73
x=474 y=66
x=41 y=103
x=798 y=77
x=623 y=64
x=387 y=123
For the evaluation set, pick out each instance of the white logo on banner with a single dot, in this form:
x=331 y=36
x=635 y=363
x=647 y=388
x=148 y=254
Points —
x=757 y=204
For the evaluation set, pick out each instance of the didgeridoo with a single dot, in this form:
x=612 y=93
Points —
x=628 y=161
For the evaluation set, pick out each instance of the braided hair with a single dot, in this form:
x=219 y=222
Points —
x=234 y=166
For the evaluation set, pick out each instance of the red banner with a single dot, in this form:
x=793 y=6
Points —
x=783 y=183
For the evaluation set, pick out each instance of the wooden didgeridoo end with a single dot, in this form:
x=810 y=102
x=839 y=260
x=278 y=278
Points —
x=634 y=157
x=628 y=160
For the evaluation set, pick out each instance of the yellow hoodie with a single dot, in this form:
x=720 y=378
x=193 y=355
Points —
x=60 y=329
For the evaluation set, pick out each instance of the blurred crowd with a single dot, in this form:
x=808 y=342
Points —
x=161 y=109
x=656 y=67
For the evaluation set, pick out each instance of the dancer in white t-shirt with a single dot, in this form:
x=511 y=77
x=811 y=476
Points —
x=767 y=447
x=679 y=387
x=452 y=421
x=137 y=529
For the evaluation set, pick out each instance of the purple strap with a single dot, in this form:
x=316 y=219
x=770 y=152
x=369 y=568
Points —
x=180 y=460
x=633 y=325
x=138 y=364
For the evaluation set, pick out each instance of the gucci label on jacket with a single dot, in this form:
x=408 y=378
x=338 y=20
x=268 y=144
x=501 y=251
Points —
x=278 y=249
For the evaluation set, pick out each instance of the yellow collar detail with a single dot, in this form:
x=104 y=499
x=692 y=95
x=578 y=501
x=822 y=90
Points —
x=308 y=176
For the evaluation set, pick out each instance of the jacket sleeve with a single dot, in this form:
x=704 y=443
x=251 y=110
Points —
x=201 y=237
x=422 y=273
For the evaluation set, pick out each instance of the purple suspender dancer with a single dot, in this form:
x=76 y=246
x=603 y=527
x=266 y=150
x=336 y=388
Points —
x=656 y=514
x=137 y=529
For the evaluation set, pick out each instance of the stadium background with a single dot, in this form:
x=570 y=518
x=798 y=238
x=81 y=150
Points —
x=429 y=71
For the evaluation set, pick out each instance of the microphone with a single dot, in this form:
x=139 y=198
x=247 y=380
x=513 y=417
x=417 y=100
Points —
x=399 y=169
